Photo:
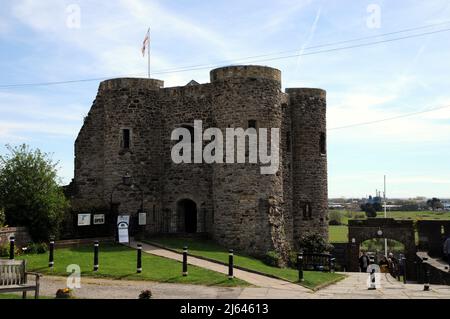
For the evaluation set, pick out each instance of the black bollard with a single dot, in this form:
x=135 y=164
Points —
x=230 y=264
x=300 y=267
x=404 y=270
x=139 y=258
x=12 y=240
x=96 y=255
x=51 y=248
x=373 y=280
x=185 y=269
x=426 y=273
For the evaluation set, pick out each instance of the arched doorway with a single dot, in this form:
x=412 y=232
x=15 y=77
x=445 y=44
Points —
x=401 y=231
x=187 y=216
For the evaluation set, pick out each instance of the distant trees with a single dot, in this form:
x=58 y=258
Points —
x=371 y=209
x=435 y=203
x=335 y=218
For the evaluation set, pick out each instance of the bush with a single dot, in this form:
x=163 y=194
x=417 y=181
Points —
x=65 y=293
x=292 y=263
x=145 y=294
x=37 y=248
x=355 y=215
x=314 y=243
x=2 y=218
x=335 y=218
x=272 y=258
x=4 y=250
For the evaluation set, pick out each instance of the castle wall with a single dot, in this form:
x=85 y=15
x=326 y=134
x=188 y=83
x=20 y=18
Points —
x=89 y=158
x=237 y=205
x=181 y=106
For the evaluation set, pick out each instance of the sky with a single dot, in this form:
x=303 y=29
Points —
x=57 y=40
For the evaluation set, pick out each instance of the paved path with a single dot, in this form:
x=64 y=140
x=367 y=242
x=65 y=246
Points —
x=254 y=279
x=436 y=263
x=353 y=287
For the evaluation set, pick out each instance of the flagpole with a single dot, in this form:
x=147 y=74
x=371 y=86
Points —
x=149 y=53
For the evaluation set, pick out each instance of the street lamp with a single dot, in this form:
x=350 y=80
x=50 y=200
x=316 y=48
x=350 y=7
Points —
x=380 y=232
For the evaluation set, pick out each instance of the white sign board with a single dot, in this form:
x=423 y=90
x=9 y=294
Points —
x=122 y=225
x=123 y=219
x=99 y=219
x=84 y=219
x=142 y=219
x=123 y=235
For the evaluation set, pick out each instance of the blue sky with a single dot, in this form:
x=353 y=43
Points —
x=37 y=44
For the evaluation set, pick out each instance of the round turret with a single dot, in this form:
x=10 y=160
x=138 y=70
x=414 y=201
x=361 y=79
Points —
x=131 y=83
x=245 y=71
x=309 y=156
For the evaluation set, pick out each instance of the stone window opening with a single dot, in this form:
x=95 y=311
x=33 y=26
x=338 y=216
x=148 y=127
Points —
x=125 y=141
x=307 y=211
x=323 y=144
x=288 y=141
x=252 y=124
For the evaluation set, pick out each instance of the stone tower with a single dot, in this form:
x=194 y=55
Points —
x=309 y=156
x=128 y=131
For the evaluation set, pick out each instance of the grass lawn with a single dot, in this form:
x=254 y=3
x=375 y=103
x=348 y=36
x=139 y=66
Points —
x=209 y=249
x=339 y=234
x=119 y=262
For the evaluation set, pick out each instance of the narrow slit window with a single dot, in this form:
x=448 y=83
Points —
x=126 y=138
x=309 y=209
x=323 y=144
x=288 y=141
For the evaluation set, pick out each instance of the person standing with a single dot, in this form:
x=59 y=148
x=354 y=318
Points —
x=447 y=250
x=364 y=262
x=393 y=265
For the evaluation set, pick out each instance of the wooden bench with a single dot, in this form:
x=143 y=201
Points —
x=13 y=278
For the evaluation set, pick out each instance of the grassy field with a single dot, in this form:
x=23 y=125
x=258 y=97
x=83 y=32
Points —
x=339 y=234
x=119 y=262
x=209 y=249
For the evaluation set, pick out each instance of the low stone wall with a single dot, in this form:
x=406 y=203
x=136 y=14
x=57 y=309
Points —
x=20 y=233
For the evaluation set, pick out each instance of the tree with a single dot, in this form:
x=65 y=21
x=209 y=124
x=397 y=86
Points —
x=2 y=218
x=29 y=192
x=435 y=203
x=314 y=243
x=370 y=210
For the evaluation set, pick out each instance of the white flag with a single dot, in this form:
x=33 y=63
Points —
x=146 y=42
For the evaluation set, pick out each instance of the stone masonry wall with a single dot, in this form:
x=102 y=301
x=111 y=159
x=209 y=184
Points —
x=236 y=205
